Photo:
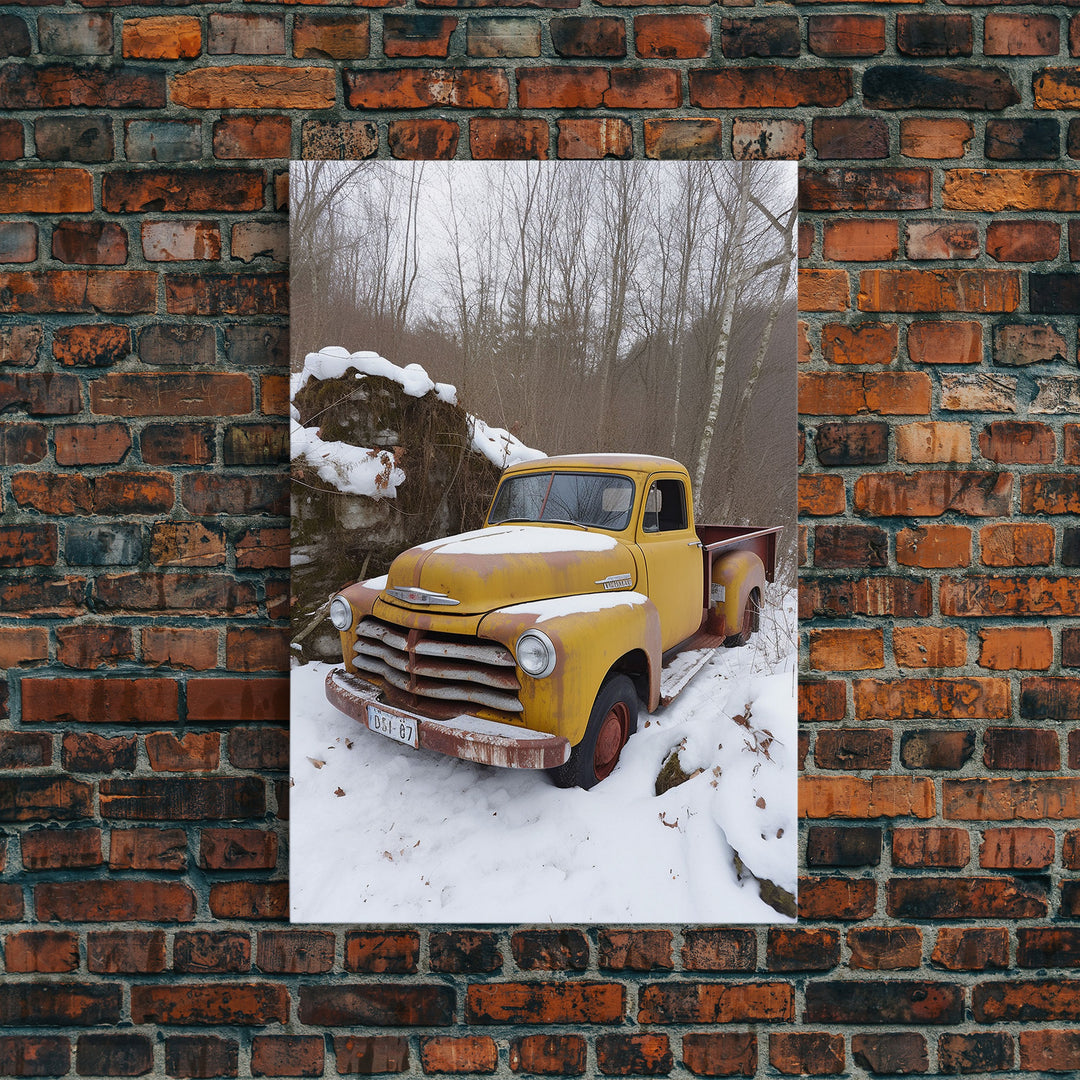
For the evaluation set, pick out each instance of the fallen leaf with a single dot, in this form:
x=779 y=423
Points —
x=338 y=792
x=316 y=762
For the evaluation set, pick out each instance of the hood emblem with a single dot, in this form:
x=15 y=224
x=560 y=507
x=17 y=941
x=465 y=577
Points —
x=616 y=581
x=422 y=596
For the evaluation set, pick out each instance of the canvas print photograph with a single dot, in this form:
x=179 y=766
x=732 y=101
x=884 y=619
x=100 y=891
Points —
x=544 y=548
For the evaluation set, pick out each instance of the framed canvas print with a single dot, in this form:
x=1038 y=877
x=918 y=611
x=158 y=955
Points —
x=543 y=447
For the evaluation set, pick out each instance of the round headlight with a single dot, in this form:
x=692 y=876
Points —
x=535 y=654
x=340 y=613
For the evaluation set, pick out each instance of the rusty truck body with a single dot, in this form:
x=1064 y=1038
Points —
x=529 y=643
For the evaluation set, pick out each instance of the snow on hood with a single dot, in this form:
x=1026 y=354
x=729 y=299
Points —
x=493 y=568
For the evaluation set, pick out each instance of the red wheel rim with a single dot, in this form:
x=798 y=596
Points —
x=610 y=739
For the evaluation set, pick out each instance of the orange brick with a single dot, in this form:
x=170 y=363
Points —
x=861 y=240
x=846 y=649
x=936 y=140
x=933 y=440
x=865 y=343
x=162 y=37
x=824 y=290
x=931 y=847
x=854 y=797
x=22 y=645
x=1017 y=545
x=939 y=290
x=821 y=493
x=1016 y=647
x=255 y=87
x=929 y=646
x=945 y=342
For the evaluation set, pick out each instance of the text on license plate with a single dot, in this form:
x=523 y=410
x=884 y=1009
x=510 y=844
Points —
x=399 y=728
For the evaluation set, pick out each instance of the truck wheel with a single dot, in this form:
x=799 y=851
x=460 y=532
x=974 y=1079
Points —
x=751 y=621
x=612 y=721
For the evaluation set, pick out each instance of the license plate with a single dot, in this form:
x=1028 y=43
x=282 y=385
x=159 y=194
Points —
x=401 y=729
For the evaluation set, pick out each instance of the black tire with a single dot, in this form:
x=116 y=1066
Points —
x=612 y=721
x=750 y=623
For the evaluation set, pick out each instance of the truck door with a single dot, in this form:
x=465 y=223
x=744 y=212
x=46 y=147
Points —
x=673 y=560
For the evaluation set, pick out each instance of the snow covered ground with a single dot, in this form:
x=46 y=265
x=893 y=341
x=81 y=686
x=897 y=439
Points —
x=382 y=833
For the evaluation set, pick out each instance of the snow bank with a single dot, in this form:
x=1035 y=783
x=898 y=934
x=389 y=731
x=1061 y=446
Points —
x=382 y=833
x=354 y=470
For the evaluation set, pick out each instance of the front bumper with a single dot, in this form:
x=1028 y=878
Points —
x=471 y=738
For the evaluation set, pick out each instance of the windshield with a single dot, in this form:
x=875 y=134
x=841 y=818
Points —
x=596 y=499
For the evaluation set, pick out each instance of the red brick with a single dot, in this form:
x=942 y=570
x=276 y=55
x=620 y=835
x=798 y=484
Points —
x=226 y=294
x=187 y=544
x=975 y=949
x=939 y=290
x=91 y=444
x=842 y=748
x=836 y=898
x=719 y=950
x=188 y=647
x=112 y=701
x=180 y=190
x=931 y=493
x=864 y=343
x=295 y=951
x=211 y=700
x=337 y=37
x=87 y=752
x=672 y=37
x=125 y=951
x=114 y=292
x=106 y=901
x=148 y=849
x=371 y=1053
x=194 y=752
x=802 y=949
x=381 y=953
x=212 y=1003
x=1023 y=241
x=644 y=1054
x=1021 y=344
x=569 y=1002
x=238 y=849
x=22 y=443
x=721 y=1053
x=941 y=240
x=855 y=797
x=821 y=494
x=46 y=951
x=768 y=86
x=167 y=241
x=46 y=191
x=801 y=1053
x=248 y=137
x=1028 y=799
x=250 y=900
x=1017 y=545
x=419 y=88
x=508 y=137
x=1016 y=849
x=187 y=394
x=1017 y=647
x=1020 y=35
x=463 y=1054
x=91 y=646
x=254 y=86
x=203 y=952
x=860 y=240
x=594 y=137
x=860 y=138
x=548 y=1055
x=885 y=948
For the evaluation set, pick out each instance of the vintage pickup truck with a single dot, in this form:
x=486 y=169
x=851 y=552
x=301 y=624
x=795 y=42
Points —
x=527 y=643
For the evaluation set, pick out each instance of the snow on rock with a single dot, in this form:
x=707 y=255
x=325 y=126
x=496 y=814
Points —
x=364 y=471
x=499 y=446
x=354 y=470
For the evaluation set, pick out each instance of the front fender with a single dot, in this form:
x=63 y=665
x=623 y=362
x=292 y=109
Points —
x=591 y=633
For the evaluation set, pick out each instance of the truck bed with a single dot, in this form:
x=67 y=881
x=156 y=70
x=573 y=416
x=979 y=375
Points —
x=722 y=538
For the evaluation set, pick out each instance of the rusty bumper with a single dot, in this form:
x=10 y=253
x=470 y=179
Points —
x=471 y=738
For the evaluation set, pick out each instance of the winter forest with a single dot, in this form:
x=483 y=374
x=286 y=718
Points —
x=584 y=306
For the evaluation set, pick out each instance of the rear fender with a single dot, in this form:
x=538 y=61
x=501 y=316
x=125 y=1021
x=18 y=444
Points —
x=735 y=575
x=591 y=634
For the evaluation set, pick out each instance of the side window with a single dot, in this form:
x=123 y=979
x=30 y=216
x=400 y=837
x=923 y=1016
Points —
x=665 y=507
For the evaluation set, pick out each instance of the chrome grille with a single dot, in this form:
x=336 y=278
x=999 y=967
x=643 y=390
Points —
x=446 y=667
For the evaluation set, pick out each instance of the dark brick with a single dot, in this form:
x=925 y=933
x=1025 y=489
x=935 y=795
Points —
x=934 y=35
x=14 y=36
x=883 y=1002
x=802 y=949
x=206 y=951
x=776 y=36
x=168 y=343
x=114 y=1055
x=164 y=141
x=182 y=799
x=74 y=138
x=852 y=443
x=979 y=1052
x=967 y=898
x=890 y=1053
x=34 y=1055
x=53 y=1004
x=850 y=545
x=201 y=1057
x=1054 y=293
x=859 y=845
x=352 y=1004
x=577 y=37
x=1022 y=140
x=719 y=950
x=550 y=950
x=894 y=87
x=644 y=1054
x=935 y=750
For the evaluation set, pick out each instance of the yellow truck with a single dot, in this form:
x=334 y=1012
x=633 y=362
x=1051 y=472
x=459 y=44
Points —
x=529 y=642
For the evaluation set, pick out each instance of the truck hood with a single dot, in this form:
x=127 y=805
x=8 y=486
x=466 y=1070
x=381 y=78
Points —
x=510 y=564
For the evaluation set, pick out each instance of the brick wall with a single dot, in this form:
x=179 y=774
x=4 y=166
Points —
x=143 y=600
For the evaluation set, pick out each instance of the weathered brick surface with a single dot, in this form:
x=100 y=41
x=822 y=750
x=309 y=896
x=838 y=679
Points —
x=144 y=562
